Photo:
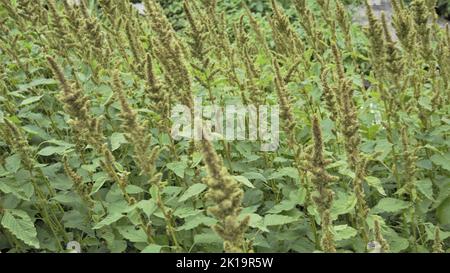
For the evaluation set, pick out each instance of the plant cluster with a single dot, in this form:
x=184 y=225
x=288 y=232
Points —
x=86 y=153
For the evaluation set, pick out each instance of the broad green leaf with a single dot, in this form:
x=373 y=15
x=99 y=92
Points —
x=442 y=160
x=37 y=82
x=147 y=206
x=207 y=238
x=344 y=232
x=23 y=192
x=278 y=220
x=152 y=248
x=195 y=221
x=256 y=221
x=244 y=180
x=108 y=220
x=178 y=168
x=375 y=183
x=431 y=232
x=192 y=191
x=117 y=139
x=31 y=100
x=133 y=189
x=391 y=205
x=443 y=212
x=383 y=147
x=133 y=234
x=13 y=163
x=196 y=159
x=284 y=205
x=183 y=212
x=396 y=242
x=287 y=171
x=254 y=175
x=98 y=184
x=425 y=186
x=51 y=150
x=67 y=198
x=20 y=225
x=344 y=203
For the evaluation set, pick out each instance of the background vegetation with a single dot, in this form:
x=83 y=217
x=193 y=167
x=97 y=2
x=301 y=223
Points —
x=86 y=153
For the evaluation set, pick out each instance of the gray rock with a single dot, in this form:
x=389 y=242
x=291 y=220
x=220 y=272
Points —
x=379 y=6
x=140 y=8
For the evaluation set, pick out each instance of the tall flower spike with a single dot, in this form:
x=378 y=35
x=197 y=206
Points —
x=410 y=159
x=392 y=54
x=260 y=36
x=226 y=195
x=156 y=92
x=421 y=16
x=15 y=139
x=288 y=42
x=78 y=183
x=379 y=237
x=349 y=127
x=170 y=53
x=136 y=132
x=344 y=22
x=328 y=96
x=285 y=103
x=77 y=106
x=321 y=181
x=375 y=33
x=437 y=244
x=403 y=25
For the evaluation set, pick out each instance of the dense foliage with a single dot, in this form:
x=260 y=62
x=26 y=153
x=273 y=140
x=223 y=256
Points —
x=86 y=152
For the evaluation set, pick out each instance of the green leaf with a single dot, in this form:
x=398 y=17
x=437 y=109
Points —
x=98 y=184
x=431 y=232
x=12 y=163
x=207 y=238
x=117 y=139
x=67 y=198
x=344 y=232
x=133 y=189
x=383 y=147
x=284 y=205
x=442 y=160
x=37 y=82
x=195 y=221
x=147 y=206
x=108 y=220
x=183 y=212
x=152 y=248
x=425 y=186
x=375 y=183
x=31 y=100
x=178 y=168
x=19 y=223
x=256 y=221
x=23 y=192
x=133 y=234
x=442 y=212
x=254 y=175
x=192 y=191
x=391 y=205
x=51 y=150
x=344 y=203
x=196 y=159
x=277 y=220
x=287 y=171
x=244 y=180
